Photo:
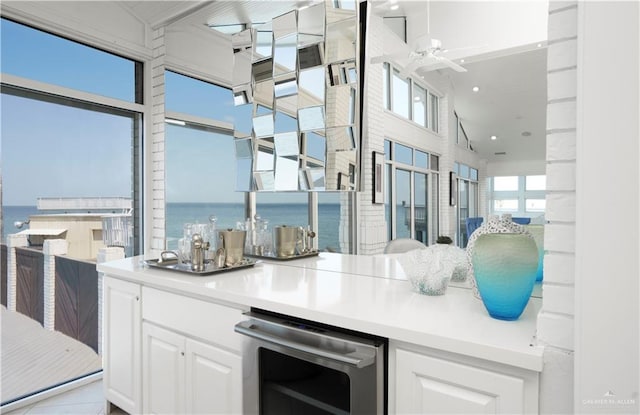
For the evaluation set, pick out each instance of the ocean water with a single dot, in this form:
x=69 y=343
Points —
x=227 y=214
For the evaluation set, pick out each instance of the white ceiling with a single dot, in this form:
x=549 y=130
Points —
x=504 y=62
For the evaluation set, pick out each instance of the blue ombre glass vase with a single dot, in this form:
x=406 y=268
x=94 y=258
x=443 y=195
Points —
x=537 y=231
x=505 y=267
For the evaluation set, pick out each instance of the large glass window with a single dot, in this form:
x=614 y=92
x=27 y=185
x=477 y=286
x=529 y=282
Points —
x=411 y=196
x=330 y=216
x=63 y=160
x=26 y=52
x=191 y=96
x=194 y=155
x=403 y=204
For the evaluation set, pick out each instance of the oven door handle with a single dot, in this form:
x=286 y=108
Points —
x=252 y=330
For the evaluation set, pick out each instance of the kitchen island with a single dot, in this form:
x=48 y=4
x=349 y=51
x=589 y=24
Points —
x=443 y=349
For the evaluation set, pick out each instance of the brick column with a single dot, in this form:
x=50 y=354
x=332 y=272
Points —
x=13 y=241
x=556 y=318
x=50 y=249
x=104 y=255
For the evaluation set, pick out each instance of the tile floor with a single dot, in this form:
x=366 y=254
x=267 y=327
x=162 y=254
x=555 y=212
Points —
x=87 y=399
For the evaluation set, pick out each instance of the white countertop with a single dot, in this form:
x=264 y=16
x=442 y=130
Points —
x=358 y=292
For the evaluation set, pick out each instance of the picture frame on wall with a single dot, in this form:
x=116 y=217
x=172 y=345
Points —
x=453 y=189
x=378 y=177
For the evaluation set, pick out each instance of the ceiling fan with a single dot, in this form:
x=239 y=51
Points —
x=426 y=52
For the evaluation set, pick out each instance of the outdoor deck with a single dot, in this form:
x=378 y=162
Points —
x=34 y=358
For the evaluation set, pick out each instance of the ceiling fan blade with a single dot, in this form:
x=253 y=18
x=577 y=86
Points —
x=450 y=64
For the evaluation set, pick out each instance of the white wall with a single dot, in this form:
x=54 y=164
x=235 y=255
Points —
x=607 y=315
x=516 y=168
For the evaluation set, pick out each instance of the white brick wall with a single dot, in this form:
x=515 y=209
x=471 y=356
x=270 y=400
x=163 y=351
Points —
x=157 y=142
x=13 y=241
x=372 y=228
x=50 y=249
x=555 y=327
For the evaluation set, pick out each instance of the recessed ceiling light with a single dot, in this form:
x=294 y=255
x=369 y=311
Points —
x=394 y=7
x=461 y=60
x=539 y=45
x=475 y=89
x=493 y=137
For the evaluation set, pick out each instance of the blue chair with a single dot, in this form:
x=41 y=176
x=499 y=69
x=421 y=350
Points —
x=473 y=224
x=521 y=221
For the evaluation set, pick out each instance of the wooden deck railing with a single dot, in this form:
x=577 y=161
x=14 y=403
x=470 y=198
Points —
x=76 y=300
x=59 y=292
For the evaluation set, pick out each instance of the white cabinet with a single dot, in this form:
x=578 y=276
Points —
x=162 y=371
x=169 y=353
x=213 y=379
x=439 y=384
x=182 y=375
x=122 y=363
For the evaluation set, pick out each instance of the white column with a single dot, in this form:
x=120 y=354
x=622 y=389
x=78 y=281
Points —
x=104 y=255
x=13 y=241
x=50 y=249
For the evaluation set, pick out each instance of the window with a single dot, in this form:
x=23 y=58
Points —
x=434 y=112
x=468 y=198
x=505 y=183
x=191 y=96
x=535 y=183
x=505 y=205
x=403 y=154
x=419 y=105
x=58 y=145
x=26 y=51
x=411 y=196
x=408 y=99
x=519 y=195
x=194 y=154
x=400 y=101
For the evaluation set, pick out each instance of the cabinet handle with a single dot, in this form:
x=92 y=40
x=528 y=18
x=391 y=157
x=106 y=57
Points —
x=182 y=353
x=137 y=298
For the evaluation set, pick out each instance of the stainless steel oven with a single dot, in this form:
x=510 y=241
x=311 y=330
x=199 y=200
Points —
x=293 y=366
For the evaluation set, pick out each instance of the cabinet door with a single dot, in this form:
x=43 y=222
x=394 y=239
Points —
x=162 y=370
x=122 y=347
x=429 y=385
x=214 y=380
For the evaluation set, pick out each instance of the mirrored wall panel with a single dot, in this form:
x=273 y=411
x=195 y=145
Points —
x=296 y=83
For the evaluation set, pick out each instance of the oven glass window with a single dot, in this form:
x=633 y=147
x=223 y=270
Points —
x=293 y=386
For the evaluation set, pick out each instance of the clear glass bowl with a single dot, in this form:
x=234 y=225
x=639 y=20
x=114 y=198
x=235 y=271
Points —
x=428 y=271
